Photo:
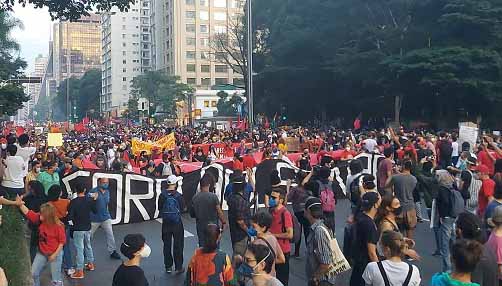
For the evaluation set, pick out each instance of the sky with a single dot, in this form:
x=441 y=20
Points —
x=34 y=38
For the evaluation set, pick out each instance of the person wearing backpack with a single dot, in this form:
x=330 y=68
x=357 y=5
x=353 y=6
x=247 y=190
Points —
x=282 y=229
x=449 y=204
x=171 y=205
x=327 y=196
x=392 y=270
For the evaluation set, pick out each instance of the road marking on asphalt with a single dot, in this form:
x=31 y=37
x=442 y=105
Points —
x=186 y=234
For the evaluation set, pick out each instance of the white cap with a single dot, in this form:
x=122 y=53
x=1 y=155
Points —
x=172 y=179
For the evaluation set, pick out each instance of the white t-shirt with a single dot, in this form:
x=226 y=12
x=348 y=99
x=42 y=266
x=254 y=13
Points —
x=369 y=144
x=26 y=153
x=454 y=146
x=396 y=272
x=13 y=176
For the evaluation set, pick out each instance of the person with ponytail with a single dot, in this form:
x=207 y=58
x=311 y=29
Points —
x=209 y=265
x=129 y=273
x=392 y=270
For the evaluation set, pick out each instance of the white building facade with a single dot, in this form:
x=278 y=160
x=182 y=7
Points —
x=126 y=53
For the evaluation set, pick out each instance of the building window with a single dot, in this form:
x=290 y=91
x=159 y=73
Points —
x=204 y=42
x=204 y=55
x=123 y=19
x=146 y=37
x=124 y=70
x=203 y=3
x=191 y=41
x=206 y=103
x=220 y=3
x=239 y=81
x=220 y=29
x=220 y=68
x=205 y=68
x=213 y=103
x=124 y=79
x=124 y=87
x=220 y=81
x=123 y=36
x=205 y=81
x=145 y=30
x=220 y=16
x=190 y=2
x=191 y=80
x=237 y=4
x=190 y=14
x=203 y=29
x=204 y=15
x=123 y=44
x=124 y=53
x=190 y=67
x=190 y=55
x=123 y=27
x=220 y=56
x=124 y=62
x=190 y=28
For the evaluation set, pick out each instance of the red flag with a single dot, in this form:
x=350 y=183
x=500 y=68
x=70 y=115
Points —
x=85 y=120
x=19 y=131
x=79 y=127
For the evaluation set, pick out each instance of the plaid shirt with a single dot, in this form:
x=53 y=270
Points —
x=238 y=209
x=319 y=251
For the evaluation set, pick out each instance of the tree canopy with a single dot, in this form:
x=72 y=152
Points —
x=343 y=57
x=69 y=9
x=12 y=95
x=161 y=90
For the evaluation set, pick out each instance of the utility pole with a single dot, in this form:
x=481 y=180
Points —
x=68 y=72
x=250 y=65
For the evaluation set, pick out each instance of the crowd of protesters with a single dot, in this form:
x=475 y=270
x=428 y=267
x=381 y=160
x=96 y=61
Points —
x=422 y=177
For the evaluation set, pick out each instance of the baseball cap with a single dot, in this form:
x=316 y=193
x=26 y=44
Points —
x=483 y=169
x=172 y=180
x=496 y=216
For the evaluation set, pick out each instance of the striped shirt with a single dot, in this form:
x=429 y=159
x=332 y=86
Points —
x=319 y=251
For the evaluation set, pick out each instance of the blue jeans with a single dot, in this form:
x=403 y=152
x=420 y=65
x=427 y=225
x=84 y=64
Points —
x=67 y=261
x=82 y=241
x=38 y=265
x=446 y=234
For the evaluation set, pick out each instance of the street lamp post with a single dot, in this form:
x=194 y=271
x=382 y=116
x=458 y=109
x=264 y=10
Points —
x=250 y=64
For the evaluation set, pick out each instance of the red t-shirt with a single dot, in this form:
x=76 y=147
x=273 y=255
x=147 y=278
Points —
x=277 y=227
x=486 y=191
x=50 y=236
x=484 y=159
x=248 y=162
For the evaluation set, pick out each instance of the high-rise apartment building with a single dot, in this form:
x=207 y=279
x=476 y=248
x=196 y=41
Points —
x=79 y=41
x=126 y=53
x=182 y=31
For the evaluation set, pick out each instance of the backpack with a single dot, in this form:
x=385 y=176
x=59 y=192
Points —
x=297 y=229
x=457 y=203
x=327 y=197
x=386 y=278
x=171 y=209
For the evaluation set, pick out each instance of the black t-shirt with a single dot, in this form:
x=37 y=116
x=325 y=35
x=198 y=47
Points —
x=129 y=276
x=367 y=232
x=79 y=212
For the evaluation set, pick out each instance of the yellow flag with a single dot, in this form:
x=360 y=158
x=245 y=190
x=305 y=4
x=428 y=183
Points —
x=167 y=142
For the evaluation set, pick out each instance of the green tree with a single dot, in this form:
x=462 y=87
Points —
x=228 y=105
x=59 y=104
x=161 y=90
x=88 y=93
x=69 y=9
x=11 y=94
x=132 y=107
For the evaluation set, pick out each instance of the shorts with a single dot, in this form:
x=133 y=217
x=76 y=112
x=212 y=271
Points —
x=409 y=219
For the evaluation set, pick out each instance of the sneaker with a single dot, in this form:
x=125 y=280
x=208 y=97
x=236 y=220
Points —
x=180 y=271
x=70 y=271
x=169 y=270
x=115 y=255
x=90 y=267
x=79 y=274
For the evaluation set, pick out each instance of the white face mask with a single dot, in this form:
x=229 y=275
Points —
x=37 y=170
x=145 y=252
x=4 y=146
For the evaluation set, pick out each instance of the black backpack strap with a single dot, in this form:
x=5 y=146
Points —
x=408 y=278
x=382 y=272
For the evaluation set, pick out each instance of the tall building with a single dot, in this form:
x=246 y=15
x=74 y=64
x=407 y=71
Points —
x=182 y=30
x=81 y=42
x=33 y=90
x=126 y=53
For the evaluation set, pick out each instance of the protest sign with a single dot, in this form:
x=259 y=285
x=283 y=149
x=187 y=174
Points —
x=54 y=139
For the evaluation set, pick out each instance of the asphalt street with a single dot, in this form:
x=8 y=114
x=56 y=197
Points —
x=154 y=268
